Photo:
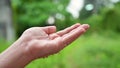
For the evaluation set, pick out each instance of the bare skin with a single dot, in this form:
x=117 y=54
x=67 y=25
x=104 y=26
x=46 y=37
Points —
x=39 y=42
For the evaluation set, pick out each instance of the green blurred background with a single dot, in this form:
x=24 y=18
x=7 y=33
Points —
x=98 y=48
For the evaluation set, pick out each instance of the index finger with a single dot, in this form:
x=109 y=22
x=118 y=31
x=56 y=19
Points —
x=67 y=30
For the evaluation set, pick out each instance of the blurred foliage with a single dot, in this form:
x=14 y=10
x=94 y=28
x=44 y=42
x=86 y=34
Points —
x=106 y=20
x=3 y=44
x=36 y=12
x=111 y=18
x=95 y=51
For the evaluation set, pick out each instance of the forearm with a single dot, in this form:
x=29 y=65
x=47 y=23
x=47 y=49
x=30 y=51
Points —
x=14 y=56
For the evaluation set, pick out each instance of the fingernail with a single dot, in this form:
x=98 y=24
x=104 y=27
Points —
x=85 y=26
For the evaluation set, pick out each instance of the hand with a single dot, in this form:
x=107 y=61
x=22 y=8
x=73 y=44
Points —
x=43 y=41
x=39 y=42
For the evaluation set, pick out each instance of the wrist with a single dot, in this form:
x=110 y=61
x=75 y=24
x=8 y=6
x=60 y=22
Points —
x=15 y=56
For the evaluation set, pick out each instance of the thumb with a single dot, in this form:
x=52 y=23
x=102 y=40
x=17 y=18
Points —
x=49 y=29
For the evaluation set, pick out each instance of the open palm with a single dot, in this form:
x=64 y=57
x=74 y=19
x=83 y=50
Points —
x=44 y=41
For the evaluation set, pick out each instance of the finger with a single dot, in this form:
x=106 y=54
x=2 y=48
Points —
x=67 y=30
x=74 y=34
x=49 y=29
x=60 y=33
x=85 y=26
